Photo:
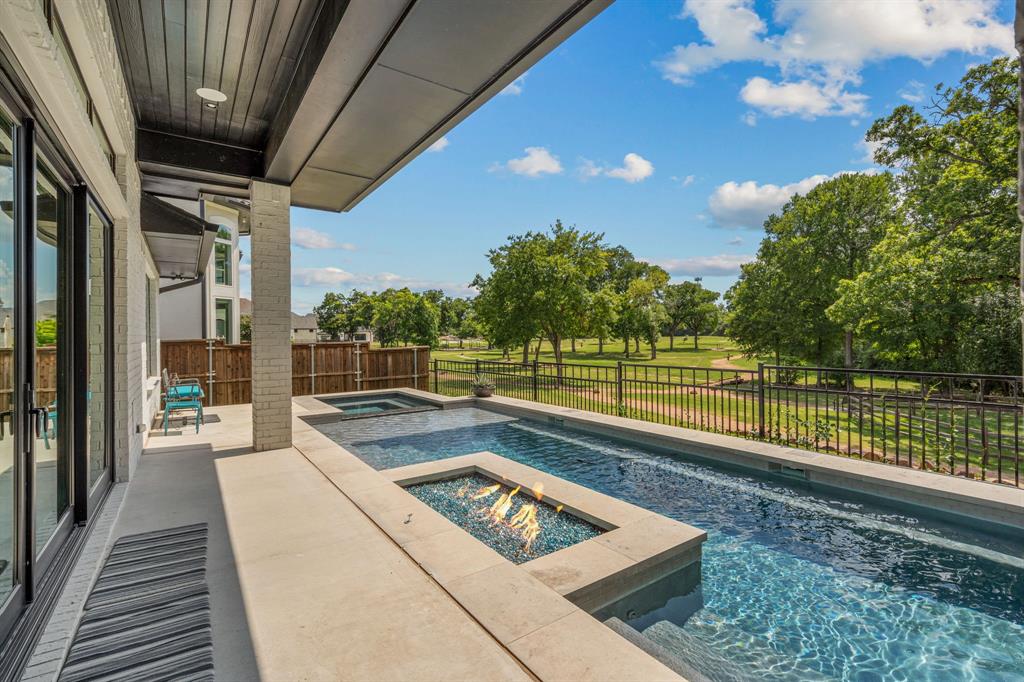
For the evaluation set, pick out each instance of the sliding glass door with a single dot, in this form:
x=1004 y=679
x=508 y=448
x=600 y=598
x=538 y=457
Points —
x=56 y=400
x=8 y=449
x=50 y=460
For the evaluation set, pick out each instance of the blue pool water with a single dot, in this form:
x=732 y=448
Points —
x=797 y=584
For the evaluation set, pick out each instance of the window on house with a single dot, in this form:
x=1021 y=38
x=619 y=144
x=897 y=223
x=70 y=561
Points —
x=222 y=320
x=222 y=263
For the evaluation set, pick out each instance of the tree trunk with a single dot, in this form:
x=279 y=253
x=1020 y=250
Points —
x=654 y=351
x=460 y=343
x=526 y=352
x=574 y=344
x=671 y=339
x=625 y=346
x=695 y=341
x=848 y=350
x=636 y=348
x=536 y=352
x=600 y=345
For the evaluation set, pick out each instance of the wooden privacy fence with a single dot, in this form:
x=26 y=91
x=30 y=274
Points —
x=225 y=370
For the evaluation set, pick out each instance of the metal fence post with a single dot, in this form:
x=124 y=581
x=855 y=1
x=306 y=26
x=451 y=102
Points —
x=359 y=369
x=535 y=394
x=434 y=363
x=618 y=384
x=760 y=399
x=209 y=372
x=312 y=369
x=415 y=367
x=476 y=367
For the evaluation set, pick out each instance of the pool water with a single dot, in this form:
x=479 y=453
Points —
x=366 y=406
x=796 y=585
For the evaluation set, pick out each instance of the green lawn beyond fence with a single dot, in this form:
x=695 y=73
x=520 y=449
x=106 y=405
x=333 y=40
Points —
x=966 y=425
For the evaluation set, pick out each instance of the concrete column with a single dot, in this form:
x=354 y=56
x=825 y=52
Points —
x=271 y=316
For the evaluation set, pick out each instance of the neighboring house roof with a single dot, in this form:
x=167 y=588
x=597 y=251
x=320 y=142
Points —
x=307 y=321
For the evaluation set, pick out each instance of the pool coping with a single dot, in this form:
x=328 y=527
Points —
x=941 y=493
x=638 y=548
x=548 y=634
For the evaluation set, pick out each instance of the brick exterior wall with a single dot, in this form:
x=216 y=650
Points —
x=271 y=316
x=89 y=30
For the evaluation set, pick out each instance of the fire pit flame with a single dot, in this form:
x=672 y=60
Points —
x=538 y=490
x=525 y=521
x=484 y=492
x=499 y=509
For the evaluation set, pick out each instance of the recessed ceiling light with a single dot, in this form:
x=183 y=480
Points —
x=211 y=95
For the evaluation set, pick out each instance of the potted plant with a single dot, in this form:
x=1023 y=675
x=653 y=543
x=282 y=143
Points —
x=482 y=386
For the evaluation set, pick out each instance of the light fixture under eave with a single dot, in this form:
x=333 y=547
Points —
x=211 y=95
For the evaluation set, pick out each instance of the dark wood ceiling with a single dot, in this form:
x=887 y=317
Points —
x=247 y=49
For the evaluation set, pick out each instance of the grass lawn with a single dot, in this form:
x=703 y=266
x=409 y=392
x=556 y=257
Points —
x=710 y=348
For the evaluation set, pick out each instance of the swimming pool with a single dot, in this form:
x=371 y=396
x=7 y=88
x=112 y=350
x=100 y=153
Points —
x=796 y=584
x=373 y=405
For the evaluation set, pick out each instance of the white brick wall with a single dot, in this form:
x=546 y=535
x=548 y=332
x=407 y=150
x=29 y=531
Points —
x=271 y=316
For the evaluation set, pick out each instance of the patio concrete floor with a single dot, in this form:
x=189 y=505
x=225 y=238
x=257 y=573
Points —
x=303 y=585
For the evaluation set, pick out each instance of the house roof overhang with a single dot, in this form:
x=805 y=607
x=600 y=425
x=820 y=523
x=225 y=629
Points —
x=179 y=242
x=331 y=97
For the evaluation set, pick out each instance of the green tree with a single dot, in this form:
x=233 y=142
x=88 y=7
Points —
x=331 y=315
x=641 y=314
x=816 y=242
x=957 y=251
x=422 y=322
x=602 y=314
x=692 y=306
x=539 y=285
x=46 y=332
x=245 y=328
x=760 y=321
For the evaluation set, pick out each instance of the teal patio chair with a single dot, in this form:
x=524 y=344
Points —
x=182 y=395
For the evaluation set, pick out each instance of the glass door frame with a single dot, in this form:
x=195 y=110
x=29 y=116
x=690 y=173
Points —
x=32 y=143
x=88 y=497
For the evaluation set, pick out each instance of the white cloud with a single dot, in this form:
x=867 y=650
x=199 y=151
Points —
x=868 y=149
x=820 y=47
x=688 y=180
x=338 y=279
x=516 y=86
x=750 y=118
x=748 y=204
x=634 y=168
x=802 y=98
x=538 y=161
x=913 y=91
x=439 y=145
x=735 y=241
x=308 y=238
x=704 y=266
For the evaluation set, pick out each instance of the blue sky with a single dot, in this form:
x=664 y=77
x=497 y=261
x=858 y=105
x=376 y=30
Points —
x=674 y=128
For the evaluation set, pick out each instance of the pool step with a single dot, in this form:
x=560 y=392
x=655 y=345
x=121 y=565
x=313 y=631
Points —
x=745 y=658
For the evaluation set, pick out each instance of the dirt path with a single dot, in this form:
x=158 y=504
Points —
x=724 y=363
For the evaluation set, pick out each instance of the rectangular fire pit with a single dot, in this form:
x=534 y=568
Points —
x=515 y=522
x=593 y=549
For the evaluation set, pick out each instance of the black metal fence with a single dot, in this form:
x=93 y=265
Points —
x=962 y=424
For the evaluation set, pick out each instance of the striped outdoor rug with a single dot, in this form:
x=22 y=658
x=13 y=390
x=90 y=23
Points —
x=148 y=616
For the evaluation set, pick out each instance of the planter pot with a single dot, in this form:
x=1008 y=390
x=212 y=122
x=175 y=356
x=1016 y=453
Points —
x=483 y=392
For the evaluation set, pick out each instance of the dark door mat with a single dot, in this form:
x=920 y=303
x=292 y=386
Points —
x=147 y=618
